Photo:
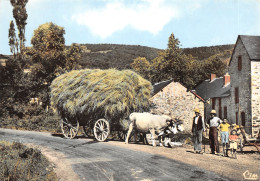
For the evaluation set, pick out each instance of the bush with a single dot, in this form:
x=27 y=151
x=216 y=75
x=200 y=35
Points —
x=18 y=162
x=33 y=119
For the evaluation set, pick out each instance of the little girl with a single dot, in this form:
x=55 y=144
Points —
x=233 y=142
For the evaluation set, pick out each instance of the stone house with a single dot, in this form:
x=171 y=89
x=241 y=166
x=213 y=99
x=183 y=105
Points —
x=216 y=92
x=240 y=101
x=173 y=99
x=244 y=69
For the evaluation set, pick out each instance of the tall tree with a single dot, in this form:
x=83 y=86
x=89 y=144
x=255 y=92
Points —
x=171 y=64
x=12 y=39
x=20 y=16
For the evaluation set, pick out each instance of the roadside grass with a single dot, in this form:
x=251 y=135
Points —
x=18 y=162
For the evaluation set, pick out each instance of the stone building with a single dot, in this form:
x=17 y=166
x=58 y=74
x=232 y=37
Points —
x=217 y=93
x=240 y=103
x=172 y=98
x=244 y=69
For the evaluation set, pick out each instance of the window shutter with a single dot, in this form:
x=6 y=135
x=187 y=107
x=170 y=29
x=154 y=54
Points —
x=220 y=109
x=236 y=95
x=213 y=103
x=225 y=112
x=239 y=63
x=236 y=118
x=243 y=118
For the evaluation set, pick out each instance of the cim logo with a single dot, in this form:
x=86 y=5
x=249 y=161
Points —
x=250 y=176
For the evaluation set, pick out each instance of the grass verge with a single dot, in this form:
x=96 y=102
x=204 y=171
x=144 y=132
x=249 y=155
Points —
x=18 y=162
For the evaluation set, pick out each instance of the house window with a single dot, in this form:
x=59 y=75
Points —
x=236 y=95
x=243 y=118
x=225 y=112
x=220 y=109
x=239 y=63
x=213 y=103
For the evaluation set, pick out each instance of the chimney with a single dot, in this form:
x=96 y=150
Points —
x=226 y=79
x=212 y=77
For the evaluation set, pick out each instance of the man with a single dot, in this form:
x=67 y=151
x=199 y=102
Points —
x=198 y=126
x=214 y=123
x=224 y=131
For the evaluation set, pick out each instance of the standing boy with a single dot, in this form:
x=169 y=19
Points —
x=224 y=131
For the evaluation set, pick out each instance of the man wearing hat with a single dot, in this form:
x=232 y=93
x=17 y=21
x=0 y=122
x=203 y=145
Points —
x=214 y=123
x=198 y=126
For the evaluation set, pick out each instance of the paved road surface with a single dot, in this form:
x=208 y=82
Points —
x=93 y=160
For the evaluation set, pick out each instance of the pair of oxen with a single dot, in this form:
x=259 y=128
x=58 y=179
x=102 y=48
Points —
x=158 y=125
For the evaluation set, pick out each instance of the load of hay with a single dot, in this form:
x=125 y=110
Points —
x=93 y=93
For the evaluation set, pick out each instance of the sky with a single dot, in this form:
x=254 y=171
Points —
x=149 y=23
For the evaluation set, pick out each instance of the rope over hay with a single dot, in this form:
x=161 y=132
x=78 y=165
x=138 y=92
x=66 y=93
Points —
x=95 y=93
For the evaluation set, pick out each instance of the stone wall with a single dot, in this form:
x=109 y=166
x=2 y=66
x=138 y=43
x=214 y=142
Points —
x=255 y=82
x=174 y=100
x=242 y=80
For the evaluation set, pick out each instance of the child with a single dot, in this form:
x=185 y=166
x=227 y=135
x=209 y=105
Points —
x=224 y=126
x=233 y=142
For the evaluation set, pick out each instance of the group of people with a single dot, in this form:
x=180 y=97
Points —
x=214 y=124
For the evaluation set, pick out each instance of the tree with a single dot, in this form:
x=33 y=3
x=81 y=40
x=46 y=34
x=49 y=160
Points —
x=175 y=60
x=158 y=65
x=213 y=65
x=172 y=64
x=12 y=39
x=142 y=66
x=72 y=55
x=48 y=50
x=20 y=16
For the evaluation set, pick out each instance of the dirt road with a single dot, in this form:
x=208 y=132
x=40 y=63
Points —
x=85 y=159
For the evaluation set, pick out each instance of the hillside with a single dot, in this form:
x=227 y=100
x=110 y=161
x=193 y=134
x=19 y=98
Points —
x=114 y=56
x=202 y=53
x=105 y=56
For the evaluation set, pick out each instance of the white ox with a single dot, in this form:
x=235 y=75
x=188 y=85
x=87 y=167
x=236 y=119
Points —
x=147 y=122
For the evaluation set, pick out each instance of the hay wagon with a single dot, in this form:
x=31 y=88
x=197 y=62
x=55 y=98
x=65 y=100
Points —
x=100 y=128
x=98 y=100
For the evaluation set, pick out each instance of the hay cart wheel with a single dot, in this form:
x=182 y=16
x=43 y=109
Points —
x=122 y=135
x=69 y=129
x=88 y=131
x=101 y=129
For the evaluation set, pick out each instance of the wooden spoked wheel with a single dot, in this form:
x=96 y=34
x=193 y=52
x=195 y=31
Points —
x=88 y=131
x=122 y=135
x=69 y=129
x=101 y=129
